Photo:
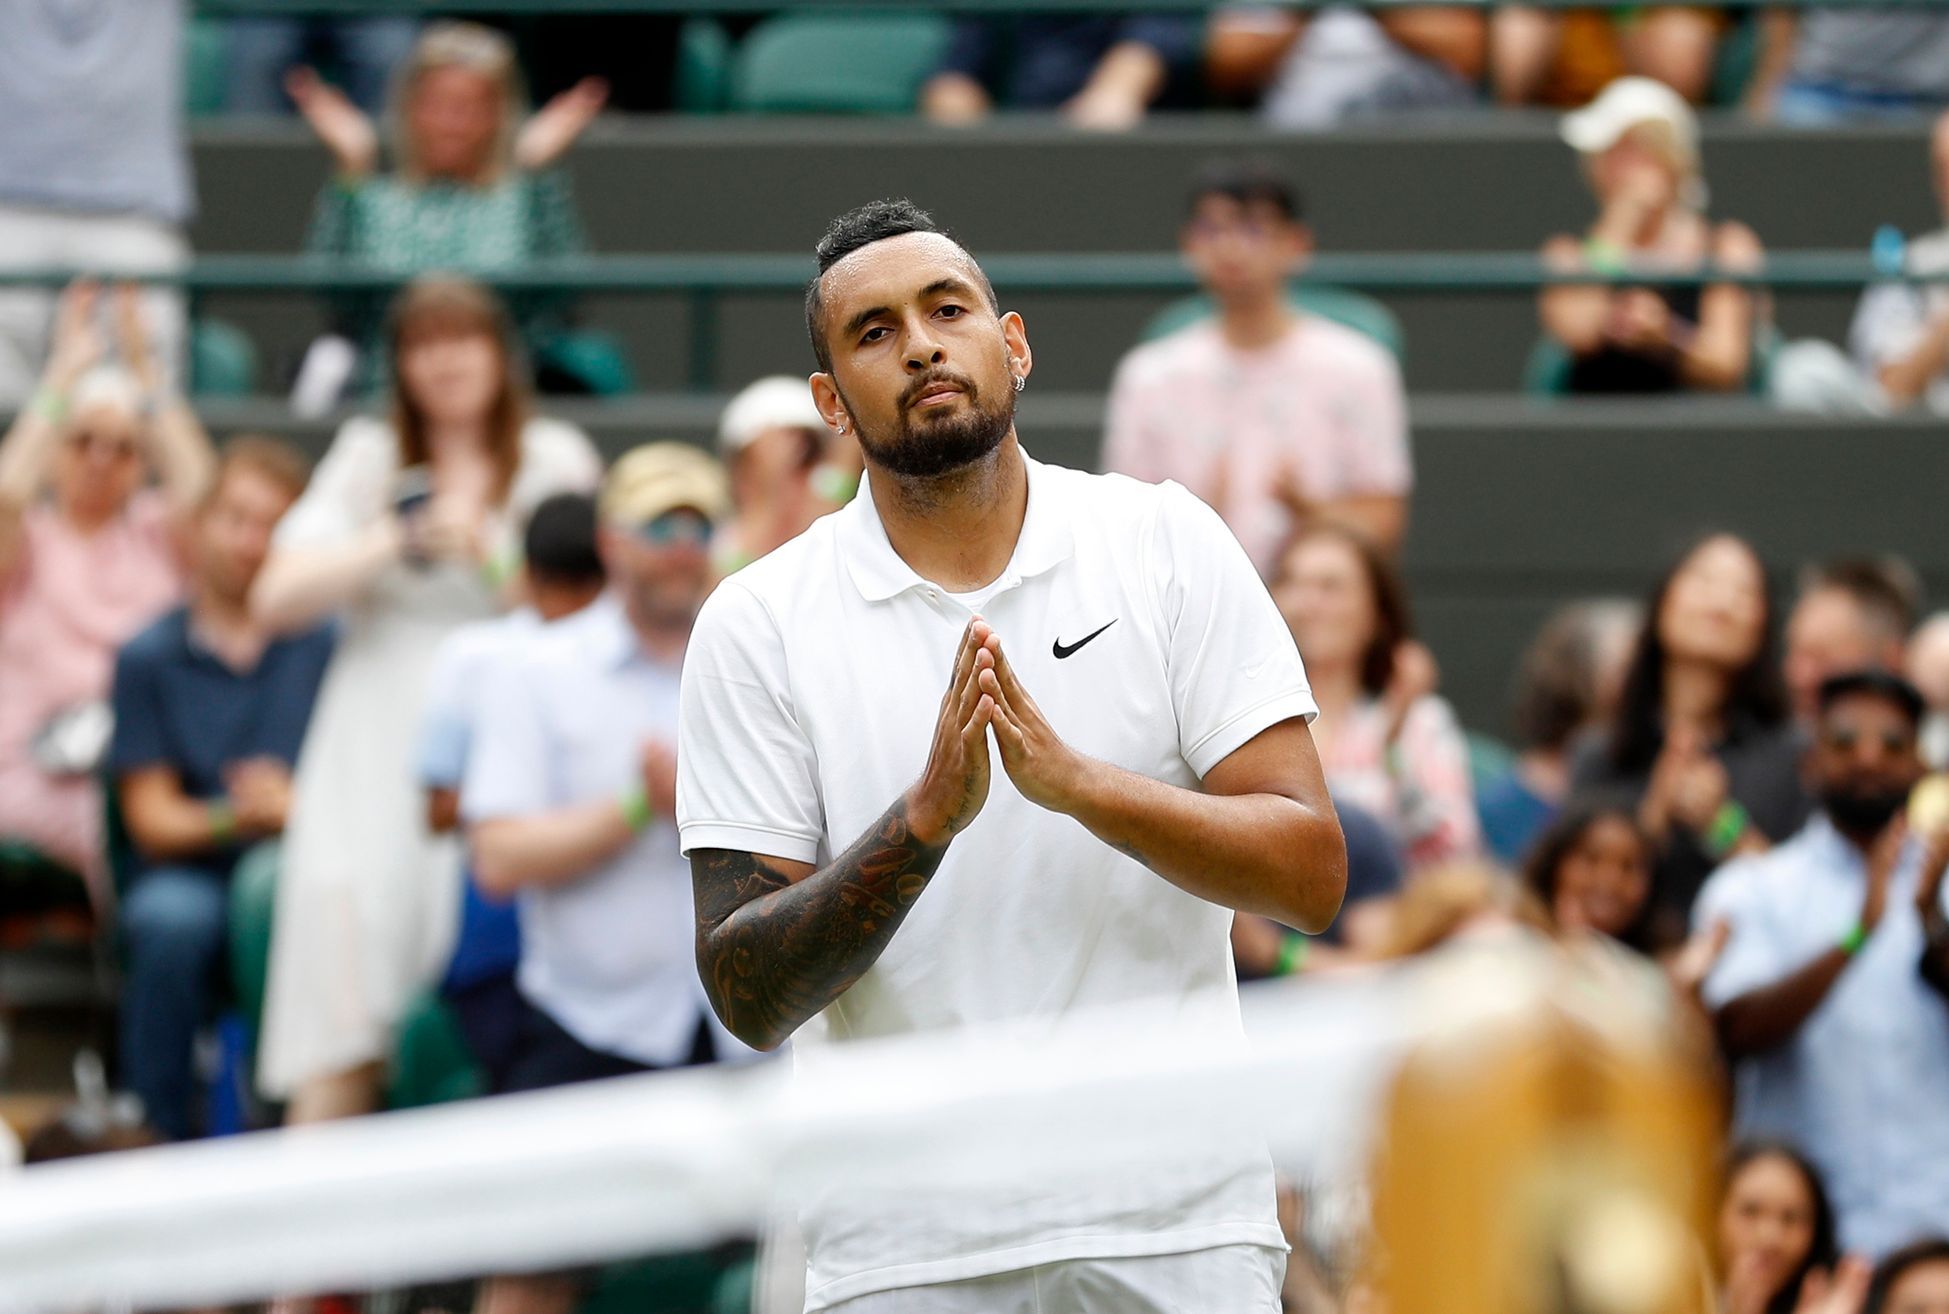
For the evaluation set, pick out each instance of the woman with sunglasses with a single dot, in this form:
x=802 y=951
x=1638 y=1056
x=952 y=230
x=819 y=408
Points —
x=89 y=554
x=409 y=530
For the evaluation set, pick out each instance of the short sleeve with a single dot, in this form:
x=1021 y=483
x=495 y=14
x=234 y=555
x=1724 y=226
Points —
x=349 y=490
x=330 y=233
x=137 y=702
x=507 y=762
x=1888 y=325
x=747 y=774
x=1379 y=460
x=1234 y=670
x=446 y=725
x=1751 y=958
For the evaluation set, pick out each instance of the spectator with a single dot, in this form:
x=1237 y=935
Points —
x=470 y=189
x=1776 y=1229
x=263 y=48
x=1851 y=614
x=1273 y=416
x=1592 y=870
x=408 y=531
x=88 y=556
x=1639 y=143
x=782 y=479
x=1913 y=1280
x=1927 y=664
x=94 y=173
x=561 y=574
x=1829 y=995
x=1568 y=683
x=1344 y=63
x=1900 y=334
x=1564 y=57
x=1389 y=744
x=1823 y=65
x=1103 y=72
x=570 y=800
x=210 y=709
x=1701 y=745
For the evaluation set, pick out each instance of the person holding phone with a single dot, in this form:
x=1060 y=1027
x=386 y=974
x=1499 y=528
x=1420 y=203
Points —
x=409 y=530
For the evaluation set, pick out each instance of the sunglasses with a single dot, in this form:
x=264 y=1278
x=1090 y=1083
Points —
x=674 y=528
x=1843 y=741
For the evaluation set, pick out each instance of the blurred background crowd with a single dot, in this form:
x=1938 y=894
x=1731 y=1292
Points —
x=340 y=751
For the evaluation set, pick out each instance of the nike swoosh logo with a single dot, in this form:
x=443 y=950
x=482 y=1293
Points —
x=1063 y=650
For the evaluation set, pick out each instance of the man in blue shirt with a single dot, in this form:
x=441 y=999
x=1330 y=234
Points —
x=210 y=711
x=1830 y=993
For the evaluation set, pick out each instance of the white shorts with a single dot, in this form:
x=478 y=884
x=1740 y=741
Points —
x=1241 y=1279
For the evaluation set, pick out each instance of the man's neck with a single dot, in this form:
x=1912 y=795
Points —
x=1256 y=321
x=225 y=626
x=958 y=530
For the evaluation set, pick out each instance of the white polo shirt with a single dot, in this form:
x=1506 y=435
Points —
x=810 y=694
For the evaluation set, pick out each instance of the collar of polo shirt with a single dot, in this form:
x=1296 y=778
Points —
x=879 y=573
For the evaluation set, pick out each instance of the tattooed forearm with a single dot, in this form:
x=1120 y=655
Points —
x=773 y=952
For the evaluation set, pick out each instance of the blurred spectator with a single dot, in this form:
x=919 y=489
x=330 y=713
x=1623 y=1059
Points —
x=1390 y=745
x=1639 y=143
x=1273 y=416
x=1568 y=683
x=1900 y=334
x=1262 y=947
x=1566 y=56
x=1927 y=665
x=1820 y=65
x=561 y=574
x=782 y=478
x=363 y=52
x=1102 y=72
x=89 y=554
x=1775 y=1229
x=470 y=187
x=1829 y=994
x=1701 y=745
x=570 y=801
x=1592 y=871
x=1852 y=614
x=94 y=173
x=209 y=712
x=1461 y=901
x=408 y=530
x=1344 y=63
x=1913 y=1280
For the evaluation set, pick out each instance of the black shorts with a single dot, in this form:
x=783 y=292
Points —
x=544 y=1054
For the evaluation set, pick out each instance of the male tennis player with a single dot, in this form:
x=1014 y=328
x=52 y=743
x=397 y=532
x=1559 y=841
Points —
x=862 y=869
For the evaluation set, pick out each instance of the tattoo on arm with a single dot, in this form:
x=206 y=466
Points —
x=773 y=952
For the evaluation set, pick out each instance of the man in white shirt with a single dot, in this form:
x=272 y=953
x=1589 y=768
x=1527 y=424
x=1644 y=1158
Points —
x=1830 y=992
x=860 y=867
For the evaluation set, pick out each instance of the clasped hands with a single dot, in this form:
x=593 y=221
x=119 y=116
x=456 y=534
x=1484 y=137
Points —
x=984 y=696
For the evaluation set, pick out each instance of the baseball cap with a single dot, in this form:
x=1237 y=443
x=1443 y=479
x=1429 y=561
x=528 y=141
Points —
x=776 y=402
x=1629 y=103
x=650 y=480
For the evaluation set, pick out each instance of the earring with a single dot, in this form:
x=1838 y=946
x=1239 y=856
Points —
x=1020 y=383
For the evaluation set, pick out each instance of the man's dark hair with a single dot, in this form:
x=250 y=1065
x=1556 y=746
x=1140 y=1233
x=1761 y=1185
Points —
x=876 y=221
x=1934 y=1250
x=1887 y=590
x=1881 y=684
x=1248 y=182
x=560 y=541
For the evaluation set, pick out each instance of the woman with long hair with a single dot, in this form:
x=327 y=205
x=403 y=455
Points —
x=1775 y=1229
x=409 y=529
x=1701 y=747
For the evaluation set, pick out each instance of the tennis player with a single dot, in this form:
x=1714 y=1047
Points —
x=997 y=740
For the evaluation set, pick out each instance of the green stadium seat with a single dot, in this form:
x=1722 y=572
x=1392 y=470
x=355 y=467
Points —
x=253 y=901
x=703 y=74
x=431 y=1063
x=1355 y=310
x=205 y=64
x=587 y=361
x=223 y=360
x=836 y=63
x=685 y=1282
x=1489 y=759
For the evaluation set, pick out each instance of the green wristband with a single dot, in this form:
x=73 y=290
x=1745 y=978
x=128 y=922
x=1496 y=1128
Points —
x=1728 y=824
x=50 y=404
x=223 y=820
x=1293 y=949
x=1852 y=942
x=635 y=803
x=1604 y=257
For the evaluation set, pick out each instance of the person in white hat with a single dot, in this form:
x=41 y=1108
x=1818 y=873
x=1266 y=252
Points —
x=1640 y=146
x=787 y=469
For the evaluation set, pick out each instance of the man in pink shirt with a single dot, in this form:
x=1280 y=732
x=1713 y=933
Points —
x=1270 y=415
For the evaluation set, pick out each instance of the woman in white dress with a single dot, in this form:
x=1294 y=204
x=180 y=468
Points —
x=409 y=528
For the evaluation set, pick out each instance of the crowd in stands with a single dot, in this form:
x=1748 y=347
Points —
x=430 y=687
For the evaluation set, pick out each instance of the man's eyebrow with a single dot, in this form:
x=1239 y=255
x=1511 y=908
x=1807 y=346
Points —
x=949 y=284
x=865 y=317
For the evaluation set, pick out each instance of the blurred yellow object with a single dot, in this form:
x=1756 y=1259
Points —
x=1928 y=805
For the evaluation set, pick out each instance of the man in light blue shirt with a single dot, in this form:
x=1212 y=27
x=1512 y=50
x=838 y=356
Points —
x=1833 y=993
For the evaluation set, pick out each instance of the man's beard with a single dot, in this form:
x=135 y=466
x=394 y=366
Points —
x=1862 y=812
x=938 y=447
